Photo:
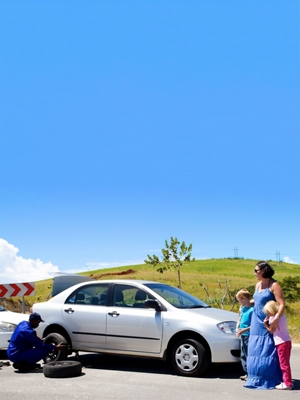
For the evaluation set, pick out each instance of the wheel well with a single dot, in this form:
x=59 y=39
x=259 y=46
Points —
x=187 y=335
x=55 y=328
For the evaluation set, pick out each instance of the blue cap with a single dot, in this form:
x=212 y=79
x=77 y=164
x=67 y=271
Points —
x=36 y=317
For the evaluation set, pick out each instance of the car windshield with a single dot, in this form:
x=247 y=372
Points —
x=177 y=297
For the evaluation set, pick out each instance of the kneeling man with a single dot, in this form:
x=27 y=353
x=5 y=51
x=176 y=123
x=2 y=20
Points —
x=26 y=348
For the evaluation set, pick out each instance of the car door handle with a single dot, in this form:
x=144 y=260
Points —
x=114 y=314
x=69 y=310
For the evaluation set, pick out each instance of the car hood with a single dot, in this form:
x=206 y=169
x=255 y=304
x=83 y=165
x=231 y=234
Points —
x=214 y=313
x=12 y=317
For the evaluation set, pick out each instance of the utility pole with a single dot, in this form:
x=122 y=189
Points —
x=235 y=252
x=278 y=257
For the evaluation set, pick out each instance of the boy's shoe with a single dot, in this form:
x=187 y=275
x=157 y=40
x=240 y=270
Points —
x=283 y=386
x=243 y=377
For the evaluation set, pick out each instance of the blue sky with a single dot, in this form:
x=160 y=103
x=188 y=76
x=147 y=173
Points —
x=125 y=123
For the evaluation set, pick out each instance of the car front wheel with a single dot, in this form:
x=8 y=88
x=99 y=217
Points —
x=189 y=357
x=55 y=338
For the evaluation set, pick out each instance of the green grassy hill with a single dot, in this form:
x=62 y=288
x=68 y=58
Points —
x=199 y=278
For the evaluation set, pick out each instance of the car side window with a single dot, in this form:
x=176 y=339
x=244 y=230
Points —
x=95 y=295
x=129 y=296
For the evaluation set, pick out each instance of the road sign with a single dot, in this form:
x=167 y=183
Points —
x=17 y=289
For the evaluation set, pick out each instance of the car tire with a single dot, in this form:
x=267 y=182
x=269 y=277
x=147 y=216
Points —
x=189 y=357
x=55 y=355
x=62 y=369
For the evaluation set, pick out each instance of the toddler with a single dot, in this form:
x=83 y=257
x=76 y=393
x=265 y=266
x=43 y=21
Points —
x=282 y=342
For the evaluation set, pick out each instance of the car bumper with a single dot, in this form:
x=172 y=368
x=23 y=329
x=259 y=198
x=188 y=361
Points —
x=4 y=339
x=227 y=350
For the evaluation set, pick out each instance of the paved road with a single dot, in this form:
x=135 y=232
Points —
x=110 y=377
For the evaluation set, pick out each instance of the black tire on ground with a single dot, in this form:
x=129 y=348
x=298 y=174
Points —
x=189 y=357
x=56 y=338
x=62 y=369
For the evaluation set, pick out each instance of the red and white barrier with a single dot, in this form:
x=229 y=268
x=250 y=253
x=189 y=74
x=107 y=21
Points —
x=17 y=289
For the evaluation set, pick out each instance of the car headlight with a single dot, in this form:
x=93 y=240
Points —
x=7 y=327
x=227 y=327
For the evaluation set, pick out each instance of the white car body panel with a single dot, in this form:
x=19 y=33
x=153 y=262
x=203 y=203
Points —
x=13 y=319
x=86 y=319
x=204 y=321
x=141 y=330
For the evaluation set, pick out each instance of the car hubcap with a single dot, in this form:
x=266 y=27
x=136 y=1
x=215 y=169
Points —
x=187 y=357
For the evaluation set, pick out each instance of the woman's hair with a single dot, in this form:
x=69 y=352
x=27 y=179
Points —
x=243 y=293
x=271 y=307
x=267 y=270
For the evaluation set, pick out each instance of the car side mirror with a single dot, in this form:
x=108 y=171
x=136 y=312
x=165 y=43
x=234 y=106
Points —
x=152 y=303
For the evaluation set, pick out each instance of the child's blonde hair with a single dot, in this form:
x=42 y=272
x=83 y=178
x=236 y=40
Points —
x=271 y=307
x=243 y=293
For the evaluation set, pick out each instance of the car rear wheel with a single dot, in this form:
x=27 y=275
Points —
x=55 y=338
x=189 y=357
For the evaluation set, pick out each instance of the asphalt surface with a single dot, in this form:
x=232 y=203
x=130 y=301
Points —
x=115 y=377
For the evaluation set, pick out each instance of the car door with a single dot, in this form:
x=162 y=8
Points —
x=130 y=326
x=85 y=314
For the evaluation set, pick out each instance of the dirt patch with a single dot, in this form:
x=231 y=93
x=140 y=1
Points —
x=128 y=272
x=14 y=305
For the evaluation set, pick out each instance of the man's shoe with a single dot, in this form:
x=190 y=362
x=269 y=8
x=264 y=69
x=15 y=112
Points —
x=22 y=366
x=283 y=386
x=243 y=377
x=34 y=366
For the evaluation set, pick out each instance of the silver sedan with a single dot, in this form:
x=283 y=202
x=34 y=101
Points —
x=140 y=318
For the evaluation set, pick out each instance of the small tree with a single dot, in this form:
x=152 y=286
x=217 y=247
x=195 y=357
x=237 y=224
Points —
x=174 y=255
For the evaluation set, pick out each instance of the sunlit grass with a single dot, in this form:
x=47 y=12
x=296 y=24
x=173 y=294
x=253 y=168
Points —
x=212 y=273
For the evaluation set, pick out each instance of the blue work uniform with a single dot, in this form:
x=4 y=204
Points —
x=25 y=345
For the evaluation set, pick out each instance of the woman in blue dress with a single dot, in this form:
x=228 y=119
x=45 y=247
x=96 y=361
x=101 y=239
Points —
x=262 y=362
